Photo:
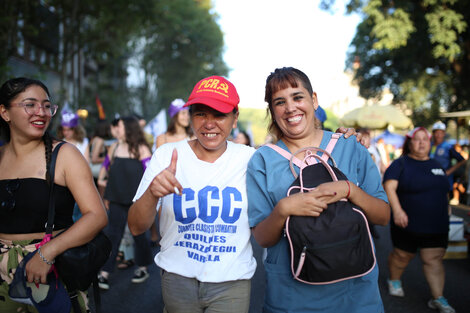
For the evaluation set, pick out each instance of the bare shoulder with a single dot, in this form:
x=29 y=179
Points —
x=161 y=139
x=70 y=157
x=66 y=148
x=144 y=152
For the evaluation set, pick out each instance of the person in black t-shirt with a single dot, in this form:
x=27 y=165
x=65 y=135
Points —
x=417 y=187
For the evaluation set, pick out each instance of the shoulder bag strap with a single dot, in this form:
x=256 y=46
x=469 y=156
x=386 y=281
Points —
x=51 y=212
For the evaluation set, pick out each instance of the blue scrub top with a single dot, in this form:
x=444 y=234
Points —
x=268 y=179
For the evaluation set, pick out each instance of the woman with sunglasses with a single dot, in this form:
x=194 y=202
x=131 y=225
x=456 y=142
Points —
x=26 y=112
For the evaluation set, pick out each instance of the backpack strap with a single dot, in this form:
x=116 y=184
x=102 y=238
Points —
x=331 y=145
x=287 y=155
x=325 y=156
x=309 y=159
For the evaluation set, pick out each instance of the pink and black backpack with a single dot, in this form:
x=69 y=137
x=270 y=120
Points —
x=335 y=246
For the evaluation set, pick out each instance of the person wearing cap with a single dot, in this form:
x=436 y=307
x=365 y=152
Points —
x=243 y=138
x=417 y=187
x=445 y=153
x=178 y=127
x=26 y=112
x=293 y=124
x=71 y=131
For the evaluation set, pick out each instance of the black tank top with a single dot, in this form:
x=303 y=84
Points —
x=31 y=205
x=123 y=179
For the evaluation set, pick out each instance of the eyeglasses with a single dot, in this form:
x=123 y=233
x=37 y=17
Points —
x=11 y=187
x=33 y=107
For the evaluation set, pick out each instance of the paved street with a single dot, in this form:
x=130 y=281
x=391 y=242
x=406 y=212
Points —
x=126 y=297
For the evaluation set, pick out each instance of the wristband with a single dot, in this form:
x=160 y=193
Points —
x=349 y=190
x=44 y=259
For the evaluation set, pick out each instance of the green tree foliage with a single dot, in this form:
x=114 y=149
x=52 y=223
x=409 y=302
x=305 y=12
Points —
x=175 y=42
x=420 y=50
x=182 y=44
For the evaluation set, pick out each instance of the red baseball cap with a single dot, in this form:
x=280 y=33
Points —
x=215 y=92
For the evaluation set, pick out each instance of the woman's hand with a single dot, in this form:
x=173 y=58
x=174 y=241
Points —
x=142 y=213
x=37 y=269
x=352 y=132
x=400 y=218
x=310 y=203
x=165 y=182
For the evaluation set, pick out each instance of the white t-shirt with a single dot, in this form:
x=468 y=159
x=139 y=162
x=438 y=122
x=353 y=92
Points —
x=205 y=232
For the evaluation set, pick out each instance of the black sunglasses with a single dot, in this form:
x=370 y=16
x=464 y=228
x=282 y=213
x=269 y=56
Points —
x=11 y=187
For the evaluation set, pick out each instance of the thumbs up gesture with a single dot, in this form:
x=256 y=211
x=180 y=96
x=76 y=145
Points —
x=165 y=182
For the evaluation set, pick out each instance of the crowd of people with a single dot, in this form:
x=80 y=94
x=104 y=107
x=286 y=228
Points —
x=203 y=193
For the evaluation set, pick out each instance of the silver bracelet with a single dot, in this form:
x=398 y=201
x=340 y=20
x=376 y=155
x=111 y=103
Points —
x=44 y=259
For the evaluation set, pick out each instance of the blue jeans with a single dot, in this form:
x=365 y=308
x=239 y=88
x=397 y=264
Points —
x=188 y=295
x=117 y=220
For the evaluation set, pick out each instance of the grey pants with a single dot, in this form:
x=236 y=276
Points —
x=188 y=295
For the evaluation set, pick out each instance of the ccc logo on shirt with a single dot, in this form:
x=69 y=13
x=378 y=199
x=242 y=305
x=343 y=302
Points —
x=208 y=199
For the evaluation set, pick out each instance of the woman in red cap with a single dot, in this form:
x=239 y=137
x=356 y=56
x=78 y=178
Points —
x=206 y=256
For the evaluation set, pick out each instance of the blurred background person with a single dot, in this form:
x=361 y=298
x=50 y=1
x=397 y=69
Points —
x=73 y=132
x=417 y=189
x=444 y=153
x=374 y=152
x=383 y=151
x=142 y=122
x=460 y=179
x=243 y=138
x=178 y=127
x=128 y=160
x=97 y=146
